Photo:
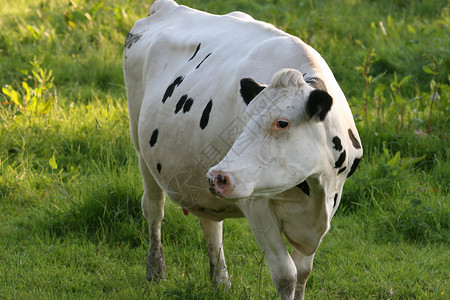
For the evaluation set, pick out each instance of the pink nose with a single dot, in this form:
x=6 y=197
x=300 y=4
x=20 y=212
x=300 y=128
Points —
x=219 y=182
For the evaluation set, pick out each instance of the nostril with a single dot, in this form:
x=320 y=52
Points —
x=221 y=182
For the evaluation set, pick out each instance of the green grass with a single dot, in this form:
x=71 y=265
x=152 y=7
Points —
x=75 y=230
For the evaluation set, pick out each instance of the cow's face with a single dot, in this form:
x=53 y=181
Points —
x=283 y=142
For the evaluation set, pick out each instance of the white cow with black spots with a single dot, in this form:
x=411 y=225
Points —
x=256 y=111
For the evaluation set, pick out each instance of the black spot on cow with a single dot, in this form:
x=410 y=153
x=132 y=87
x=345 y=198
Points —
x=304 y=187
x=335 y=200
x=250 y=89
x=154 y=138
x=340 y=160
x=180 y=103
x=187 y=105
x=316 y=83
x=355 y=142
x=354 y=166
x=205 y=115
x=342 y=170
x=171 y=88
x=337 y=143
x=184 y=103
x=195 y=53
x=131 y=39
x=158 y=167
x=198 y=66
x=318 y=104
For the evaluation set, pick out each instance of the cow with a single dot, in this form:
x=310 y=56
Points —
x=232 y=117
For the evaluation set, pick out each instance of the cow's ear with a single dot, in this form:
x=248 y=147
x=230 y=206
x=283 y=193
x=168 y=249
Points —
x=316 y=83
x=250 y=89
x=318 y=104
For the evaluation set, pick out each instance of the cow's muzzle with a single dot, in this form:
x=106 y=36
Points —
x=219 y=183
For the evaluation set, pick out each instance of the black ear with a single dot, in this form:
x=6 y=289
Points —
x=249 y=89
x=318 y=104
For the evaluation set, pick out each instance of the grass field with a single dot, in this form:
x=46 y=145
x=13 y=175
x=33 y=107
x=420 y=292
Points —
x=70 y=219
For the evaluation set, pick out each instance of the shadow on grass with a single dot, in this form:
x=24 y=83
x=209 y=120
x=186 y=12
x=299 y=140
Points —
x=109 y=212
x=106 y=209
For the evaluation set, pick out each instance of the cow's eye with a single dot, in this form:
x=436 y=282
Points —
x=282 y=124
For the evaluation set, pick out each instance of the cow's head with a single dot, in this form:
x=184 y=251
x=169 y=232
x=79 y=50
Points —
x=283 y=142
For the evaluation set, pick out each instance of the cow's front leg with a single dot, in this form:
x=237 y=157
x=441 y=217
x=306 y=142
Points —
x=218 y=269
x=153 y=209
x=304 y=268
x=267 y=231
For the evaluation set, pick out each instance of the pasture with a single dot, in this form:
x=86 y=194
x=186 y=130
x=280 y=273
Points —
x=70 y=187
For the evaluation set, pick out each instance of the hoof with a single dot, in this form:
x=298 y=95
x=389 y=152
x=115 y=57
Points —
x=155 y=266
x=222 y=282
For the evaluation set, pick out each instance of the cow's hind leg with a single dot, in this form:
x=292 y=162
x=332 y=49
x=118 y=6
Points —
x=212 y=231
x=153 y=209
x=304 y=267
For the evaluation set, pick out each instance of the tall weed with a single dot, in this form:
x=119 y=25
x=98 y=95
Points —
x=406 y=112
x=34 y=100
